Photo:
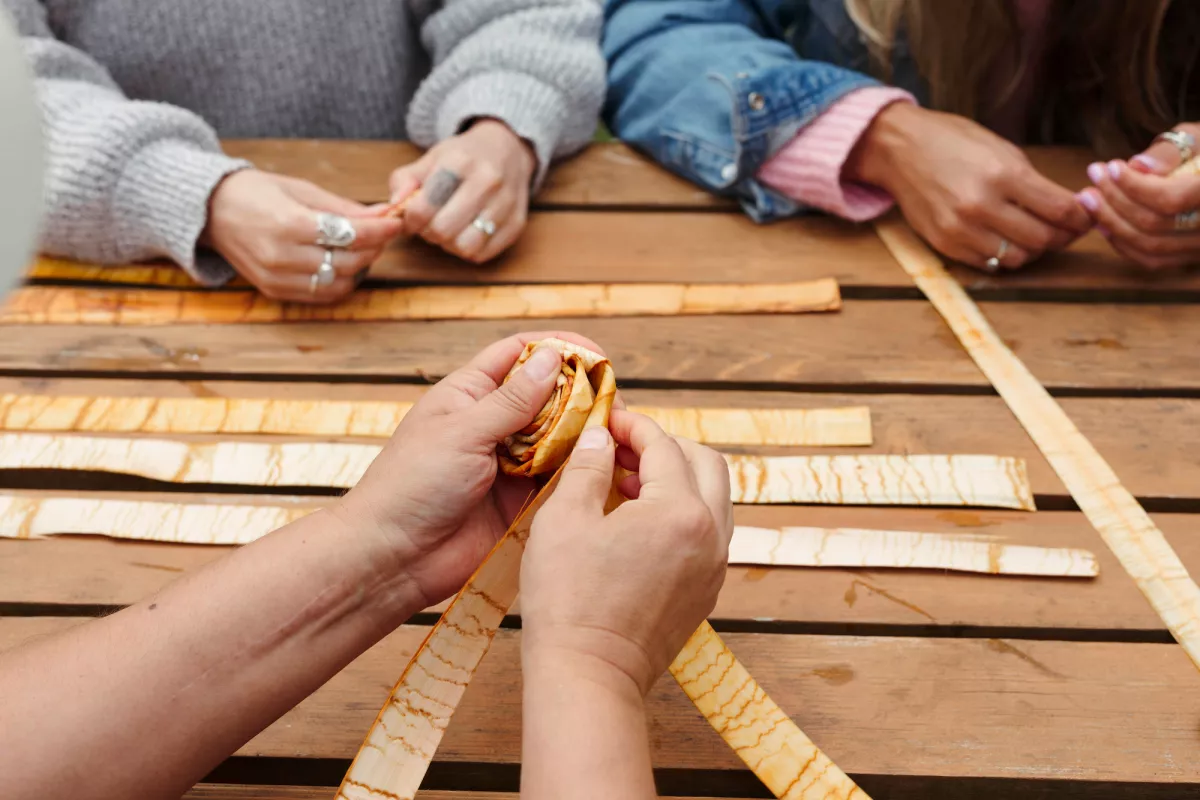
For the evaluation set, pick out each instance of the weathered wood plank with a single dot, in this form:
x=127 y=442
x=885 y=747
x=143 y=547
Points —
x=90 y=571
x=217 y=791
x=1121 y=428
x=879 y=706
x=870 y=343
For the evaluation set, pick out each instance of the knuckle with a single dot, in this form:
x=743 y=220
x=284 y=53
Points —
x=488 y=176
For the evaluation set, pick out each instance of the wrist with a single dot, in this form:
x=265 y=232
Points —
x=383 y=561
x=559 y=666
x=874 y=156
x=599 y=655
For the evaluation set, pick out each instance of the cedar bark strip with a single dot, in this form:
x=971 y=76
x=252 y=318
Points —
x=404 y=738
x=1115 y=513
x=985 y=481
x=815 y=427
x=78 y=306
x=856 y=548
x=919 y=480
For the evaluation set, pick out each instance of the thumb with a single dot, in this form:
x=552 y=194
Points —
x=587 y=477
x=406 y=180
x=515 y=403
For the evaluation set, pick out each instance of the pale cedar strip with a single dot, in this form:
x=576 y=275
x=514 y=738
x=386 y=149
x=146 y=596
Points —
x=818 y=427
x=1115 y=513
x=875 y=549
x=79 y=306
x=987 y=481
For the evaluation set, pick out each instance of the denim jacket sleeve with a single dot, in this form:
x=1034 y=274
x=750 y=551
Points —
x=710 y=89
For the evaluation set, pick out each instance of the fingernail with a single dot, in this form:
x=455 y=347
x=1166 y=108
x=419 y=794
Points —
x=543 y=363
x=1114 y=168
x=1095 y=172
x=1149 y=163
x=1088 y=201
x=595 y=438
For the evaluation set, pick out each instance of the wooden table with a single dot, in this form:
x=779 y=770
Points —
x=921 y=685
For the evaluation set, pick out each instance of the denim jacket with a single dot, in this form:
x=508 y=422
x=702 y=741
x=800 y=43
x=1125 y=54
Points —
x=712 y=89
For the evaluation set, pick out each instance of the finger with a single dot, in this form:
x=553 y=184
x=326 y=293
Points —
x=442 y=184
x=1165 y=196
x=466 y=205
x=1010 y=256
x=306 y=259
x=1028 y=232
x=711 y=471
x=515 y=403
x=1153 y=251
x=586 y=479
x=1136 y=214
x=506 y=236
x=1053 y=205
x=627 y=459
x=1162 y=157
x=472 y=240
x=404 y=182
x=293 y=288
x=662 y=469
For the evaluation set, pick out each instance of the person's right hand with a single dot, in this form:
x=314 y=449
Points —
x=965 y=189
x=265 y=225
x=625 y=591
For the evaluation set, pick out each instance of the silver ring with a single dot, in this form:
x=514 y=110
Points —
x=993 y=263
x=325 y=274
x=485 y=225
x=1187 y=221
x=1184 y=142
x=335 y=231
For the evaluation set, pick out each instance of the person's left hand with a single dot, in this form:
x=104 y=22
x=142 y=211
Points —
x=476 y=181
x=1143 y=211
x=434 y=497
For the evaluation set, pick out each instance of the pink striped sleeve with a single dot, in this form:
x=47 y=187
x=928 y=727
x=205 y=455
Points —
x=809 y=168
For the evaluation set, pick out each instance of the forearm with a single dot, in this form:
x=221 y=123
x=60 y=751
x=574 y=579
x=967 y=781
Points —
x=145 y=702
x=584 y=731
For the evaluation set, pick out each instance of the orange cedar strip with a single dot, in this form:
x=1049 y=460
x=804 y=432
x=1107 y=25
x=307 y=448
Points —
x=1115 y=513
x=74 y=306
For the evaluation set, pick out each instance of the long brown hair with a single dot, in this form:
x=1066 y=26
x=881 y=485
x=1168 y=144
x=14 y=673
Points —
x=1118 y=71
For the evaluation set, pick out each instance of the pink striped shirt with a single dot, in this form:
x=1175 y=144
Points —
x=809 y=168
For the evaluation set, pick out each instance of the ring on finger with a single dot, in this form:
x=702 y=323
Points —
x=325 y=274
x=334 y=230
x=1188 y=220
x=1184 y=142
x=484 y=225
x=993 y=263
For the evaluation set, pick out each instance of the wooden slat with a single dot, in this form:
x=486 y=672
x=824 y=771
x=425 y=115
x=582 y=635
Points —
x=215 y=791
x=133 y=307
x=870 y=343
x=954 y=708
x=90 y=571
x=1119 y=427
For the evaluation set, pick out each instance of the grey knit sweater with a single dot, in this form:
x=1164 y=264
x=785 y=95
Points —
x=135 y=94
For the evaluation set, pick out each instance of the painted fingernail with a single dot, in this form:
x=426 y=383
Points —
x=1114 y=168
x=595 y=438
x=1088 y=201
x=1096 y=172
x=1148 y=163
x=543 y=363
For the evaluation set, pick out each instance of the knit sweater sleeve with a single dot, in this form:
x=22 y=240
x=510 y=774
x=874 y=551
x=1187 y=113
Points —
x=126 y=180
x=534 y=64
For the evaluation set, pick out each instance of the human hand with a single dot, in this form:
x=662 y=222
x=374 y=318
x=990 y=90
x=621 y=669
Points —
x=965 y=189
x=433 y=497
x=265 y=225
x=1146 y=214
x=626 y=590
x=484 y=174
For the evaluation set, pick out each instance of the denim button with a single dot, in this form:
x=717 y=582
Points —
x=729 y=172
x=756 y=101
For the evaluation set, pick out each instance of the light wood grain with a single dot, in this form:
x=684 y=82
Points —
x=855 y=548
x=958 y=480
x=849 y=426
x=1117 y=516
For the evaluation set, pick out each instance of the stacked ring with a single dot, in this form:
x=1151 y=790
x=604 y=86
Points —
x=325 y=274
